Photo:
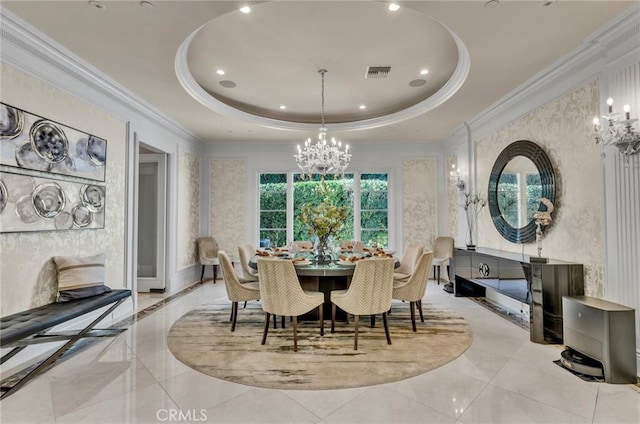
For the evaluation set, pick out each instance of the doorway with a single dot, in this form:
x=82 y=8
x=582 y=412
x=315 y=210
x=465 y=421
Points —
x=151 y=220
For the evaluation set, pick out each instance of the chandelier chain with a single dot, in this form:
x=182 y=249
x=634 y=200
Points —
x=322 y=72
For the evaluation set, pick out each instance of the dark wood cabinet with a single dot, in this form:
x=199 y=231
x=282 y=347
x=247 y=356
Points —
x=540 y=285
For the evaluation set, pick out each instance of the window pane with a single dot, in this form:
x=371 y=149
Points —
x=374 y=205
x=273 y=219
x=373 y=200
x=273 y=208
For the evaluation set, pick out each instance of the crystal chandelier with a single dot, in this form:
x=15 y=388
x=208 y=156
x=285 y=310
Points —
x=618 y=133
x=323 y=157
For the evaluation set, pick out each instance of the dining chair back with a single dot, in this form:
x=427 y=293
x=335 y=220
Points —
x=304 y=244
x=246 y=252
x=442 y=254
x=369 y=293
x=281 y=294
x=208 y=255
x=236 y=291
x=414 y=288
x=408 y=262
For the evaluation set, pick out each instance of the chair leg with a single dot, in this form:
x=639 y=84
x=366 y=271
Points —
x=202 y=275
x=420 y=310
x=267 y=317
x=321 y=320
x=413 y=315
x=245 y=304
x=295 y=334
x=438 y=278
x=448 y=274
x=234 y=312
x=386 y=327
x=215 y=272
x=275 y=321
x=282 y=320
x=333 y=317
x=373 y=320
x=356 y=320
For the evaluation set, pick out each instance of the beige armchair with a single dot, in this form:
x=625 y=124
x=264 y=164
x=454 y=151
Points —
x=368 y=294
x=408 y=262
x=442 y=254
x=208 y=255
x=281 y=294
x=413 y=289
x=245 y=253
x=236 y=291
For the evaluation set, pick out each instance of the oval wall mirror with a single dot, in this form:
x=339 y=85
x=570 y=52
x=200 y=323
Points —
x=521 y=176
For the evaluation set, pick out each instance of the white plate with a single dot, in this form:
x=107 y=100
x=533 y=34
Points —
x=347 y=263
x=302 y=263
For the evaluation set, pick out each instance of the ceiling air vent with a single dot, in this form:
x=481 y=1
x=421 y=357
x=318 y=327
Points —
x=378 y=71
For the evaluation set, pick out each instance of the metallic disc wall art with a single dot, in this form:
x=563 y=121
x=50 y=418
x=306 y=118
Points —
x=30 y=203
x=31 y=142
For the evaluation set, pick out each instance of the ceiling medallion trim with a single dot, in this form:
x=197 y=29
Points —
x=194 y=89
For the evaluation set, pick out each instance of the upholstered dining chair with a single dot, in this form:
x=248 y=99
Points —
x=236 y=291
x=413 y=289
x=281 y=294
x=245 y=253
x=442 y=254
x=354 y=245
x=208 y=255
x=408 y=262
x=304 y=244
x=369 y=294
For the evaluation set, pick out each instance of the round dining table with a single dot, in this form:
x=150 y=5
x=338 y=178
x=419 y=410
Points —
x=321 y=277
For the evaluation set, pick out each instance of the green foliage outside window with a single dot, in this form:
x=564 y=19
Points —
x=312 y=192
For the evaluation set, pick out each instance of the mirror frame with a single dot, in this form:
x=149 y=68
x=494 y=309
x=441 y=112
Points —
x=541 y=160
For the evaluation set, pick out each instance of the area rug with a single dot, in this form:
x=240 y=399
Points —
x=202 y=339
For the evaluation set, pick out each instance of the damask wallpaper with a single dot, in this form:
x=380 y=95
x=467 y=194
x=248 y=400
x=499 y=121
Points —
x=563 y=128
x=27 y=275
x=227 y=203
x=188 y=208
x=419 y=218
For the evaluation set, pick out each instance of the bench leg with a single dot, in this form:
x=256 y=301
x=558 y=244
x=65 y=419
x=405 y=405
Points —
x=54 y=357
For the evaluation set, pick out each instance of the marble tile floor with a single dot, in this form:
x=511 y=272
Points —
x=501 y=378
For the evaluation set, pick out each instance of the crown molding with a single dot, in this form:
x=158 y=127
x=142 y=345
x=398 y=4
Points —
x=613 y=41
x=26 y=48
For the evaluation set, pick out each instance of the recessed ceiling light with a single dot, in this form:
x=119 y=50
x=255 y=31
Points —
x=97 y=5
x=417 y=82
x=228 y=84
x=491 y=4
x=424 y=72
x=362 y=107
x=394 y=7
x=245 y=9
x=283 y=107
x=220 y=72
x=146 y=4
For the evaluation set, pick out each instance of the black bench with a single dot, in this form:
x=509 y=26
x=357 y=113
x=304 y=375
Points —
x=30 y=327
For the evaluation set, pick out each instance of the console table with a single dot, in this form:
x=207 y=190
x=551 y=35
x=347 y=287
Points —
x=539 y=284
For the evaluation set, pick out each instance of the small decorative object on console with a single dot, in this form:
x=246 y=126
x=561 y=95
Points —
x=543 y=218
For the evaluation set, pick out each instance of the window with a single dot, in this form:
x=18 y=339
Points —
x=273 y=210
x=374 y=209
x=370 y=225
